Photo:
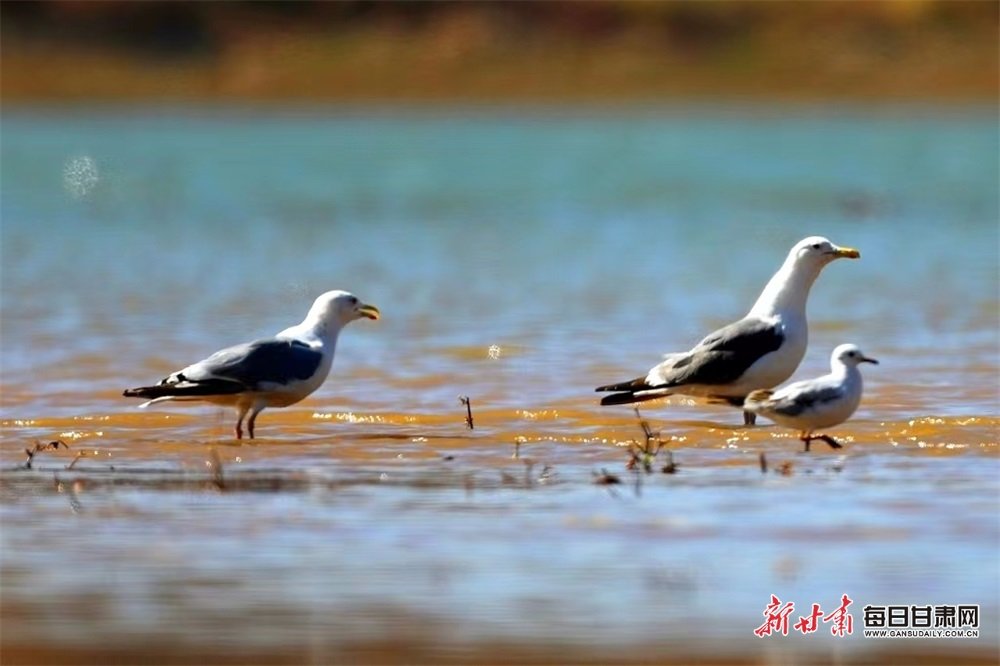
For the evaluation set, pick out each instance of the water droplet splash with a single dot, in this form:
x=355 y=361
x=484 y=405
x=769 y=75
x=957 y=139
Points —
x=80 y=176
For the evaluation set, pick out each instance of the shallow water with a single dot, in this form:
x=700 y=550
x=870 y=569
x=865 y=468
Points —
x=367 y=523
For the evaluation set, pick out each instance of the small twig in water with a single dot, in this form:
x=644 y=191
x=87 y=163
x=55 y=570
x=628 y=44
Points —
x=39 y=447
x=644 y=454
x=217 y=478
x=76 y=459
x=605 y=478
x=464 y=399
x=529 y=465
x=671 y=466
x=646 y=430
x=633 y=457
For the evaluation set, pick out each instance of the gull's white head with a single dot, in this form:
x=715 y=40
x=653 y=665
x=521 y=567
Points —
x=849 y=355
x=789 y=287
x=818 y=252
x=335 y=309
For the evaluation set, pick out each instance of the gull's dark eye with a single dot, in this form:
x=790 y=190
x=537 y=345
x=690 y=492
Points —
x=354 y=300
x=815 y=246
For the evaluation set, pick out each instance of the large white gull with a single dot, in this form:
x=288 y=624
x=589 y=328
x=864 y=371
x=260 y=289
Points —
x=271 y=372
x=759 y=351
x=817 y=403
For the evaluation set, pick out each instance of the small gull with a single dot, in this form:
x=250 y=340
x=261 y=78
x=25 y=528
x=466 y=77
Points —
x=817 y=403
x=759 y=351
x=271 y=372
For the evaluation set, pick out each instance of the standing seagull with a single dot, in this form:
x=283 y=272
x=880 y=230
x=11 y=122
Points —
x=816 y=403
x=759 y=351
x=272 y=372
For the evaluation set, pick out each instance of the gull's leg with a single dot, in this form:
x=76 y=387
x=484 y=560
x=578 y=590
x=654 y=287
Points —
x=253 y=417
x=806 y=437
x=749 y=418
x=239 y=421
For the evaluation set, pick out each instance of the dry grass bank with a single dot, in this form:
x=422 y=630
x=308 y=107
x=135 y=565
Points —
x=902 y=50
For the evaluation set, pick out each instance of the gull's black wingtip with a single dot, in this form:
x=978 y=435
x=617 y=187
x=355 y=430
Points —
x=618 y=399
x=207 y=387
x=627 y=395
x=631 y=386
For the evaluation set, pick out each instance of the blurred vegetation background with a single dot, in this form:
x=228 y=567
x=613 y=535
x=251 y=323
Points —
x=498 y=51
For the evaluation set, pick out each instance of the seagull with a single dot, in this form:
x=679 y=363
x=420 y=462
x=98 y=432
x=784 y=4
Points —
x=816 y=403
x=271 y=372
x=759 y=351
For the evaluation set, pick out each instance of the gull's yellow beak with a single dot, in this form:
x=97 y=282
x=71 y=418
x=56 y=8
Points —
x=369 y=311
x=847 y=252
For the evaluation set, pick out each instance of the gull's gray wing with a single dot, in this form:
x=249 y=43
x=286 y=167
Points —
x=253 y=363
x=799 y=397
x=723 y=356
x=247 y=367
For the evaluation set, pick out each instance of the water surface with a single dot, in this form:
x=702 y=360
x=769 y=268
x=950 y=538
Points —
x=367 y=522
